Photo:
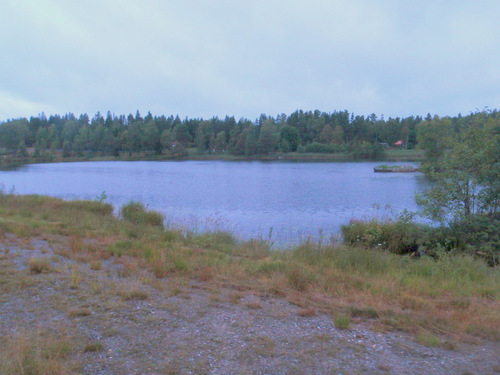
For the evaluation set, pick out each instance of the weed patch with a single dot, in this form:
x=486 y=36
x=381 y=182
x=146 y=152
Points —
x=94 y=347
x=342 y=322
x=39 y=265
x=363 y=312
x=133 y=293
x=307 y=312
x=428 y=339
x=79 y=312
x=254 y=305
x=75 y=277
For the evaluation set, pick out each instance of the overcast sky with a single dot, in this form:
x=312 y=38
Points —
x=200 y=58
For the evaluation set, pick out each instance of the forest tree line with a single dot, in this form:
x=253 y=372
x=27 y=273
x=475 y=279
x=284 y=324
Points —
x=358 y=137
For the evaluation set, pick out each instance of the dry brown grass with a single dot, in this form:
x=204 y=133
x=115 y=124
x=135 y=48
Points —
x=76 y=244
x=75 y=277
x=235 y=297
x=35 y=353
x=207 y=273
x=307 y=312
x=264 y=346
x=254 y=305
x=132 y=291
x=79 y=312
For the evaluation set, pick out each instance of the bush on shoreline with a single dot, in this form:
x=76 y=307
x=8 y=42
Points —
x=478 y=236
x=396 y=236
x=136 y=213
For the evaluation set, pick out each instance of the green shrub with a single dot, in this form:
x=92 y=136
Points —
x=342 y=322
x=478 y=236
x=398 y=237
x=136 y=213
x=153 y=218
x=133 y=212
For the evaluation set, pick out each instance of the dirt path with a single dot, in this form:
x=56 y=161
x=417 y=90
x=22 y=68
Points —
x=123 y=322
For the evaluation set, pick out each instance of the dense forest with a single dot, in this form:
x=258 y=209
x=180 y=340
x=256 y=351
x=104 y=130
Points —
x=358 y=137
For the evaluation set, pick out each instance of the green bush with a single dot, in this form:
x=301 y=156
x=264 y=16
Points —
x=396 y=236
x=478 y=236
x=342 y=322
x=135 y=213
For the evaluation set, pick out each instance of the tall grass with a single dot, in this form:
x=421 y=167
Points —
x=36 y=353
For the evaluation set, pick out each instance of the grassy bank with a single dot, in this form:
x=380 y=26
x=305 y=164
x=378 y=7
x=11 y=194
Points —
x=453 y=296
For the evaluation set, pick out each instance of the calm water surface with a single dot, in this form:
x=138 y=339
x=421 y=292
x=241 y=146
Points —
x=290 y=201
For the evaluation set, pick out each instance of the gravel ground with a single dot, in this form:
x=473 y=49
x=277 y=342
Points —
x=147 y=326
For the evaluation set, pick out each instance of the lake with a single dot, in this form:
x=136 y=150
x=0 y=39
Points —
x=288 y=202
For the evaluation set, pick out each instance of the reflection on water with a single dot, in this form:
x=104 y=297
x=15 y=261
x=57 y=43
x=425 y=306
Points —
x=292 y=201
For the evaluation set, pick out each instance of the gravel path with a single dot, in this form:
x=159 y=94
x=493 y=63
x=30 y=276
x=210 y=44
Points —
x=147 y=326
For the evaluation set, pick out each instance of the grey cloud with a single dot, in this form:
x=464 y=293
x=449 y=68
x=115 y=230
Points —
x=204 y=58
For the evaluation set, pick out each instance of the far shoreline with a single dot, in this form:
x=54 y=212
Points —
x=390 y=156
